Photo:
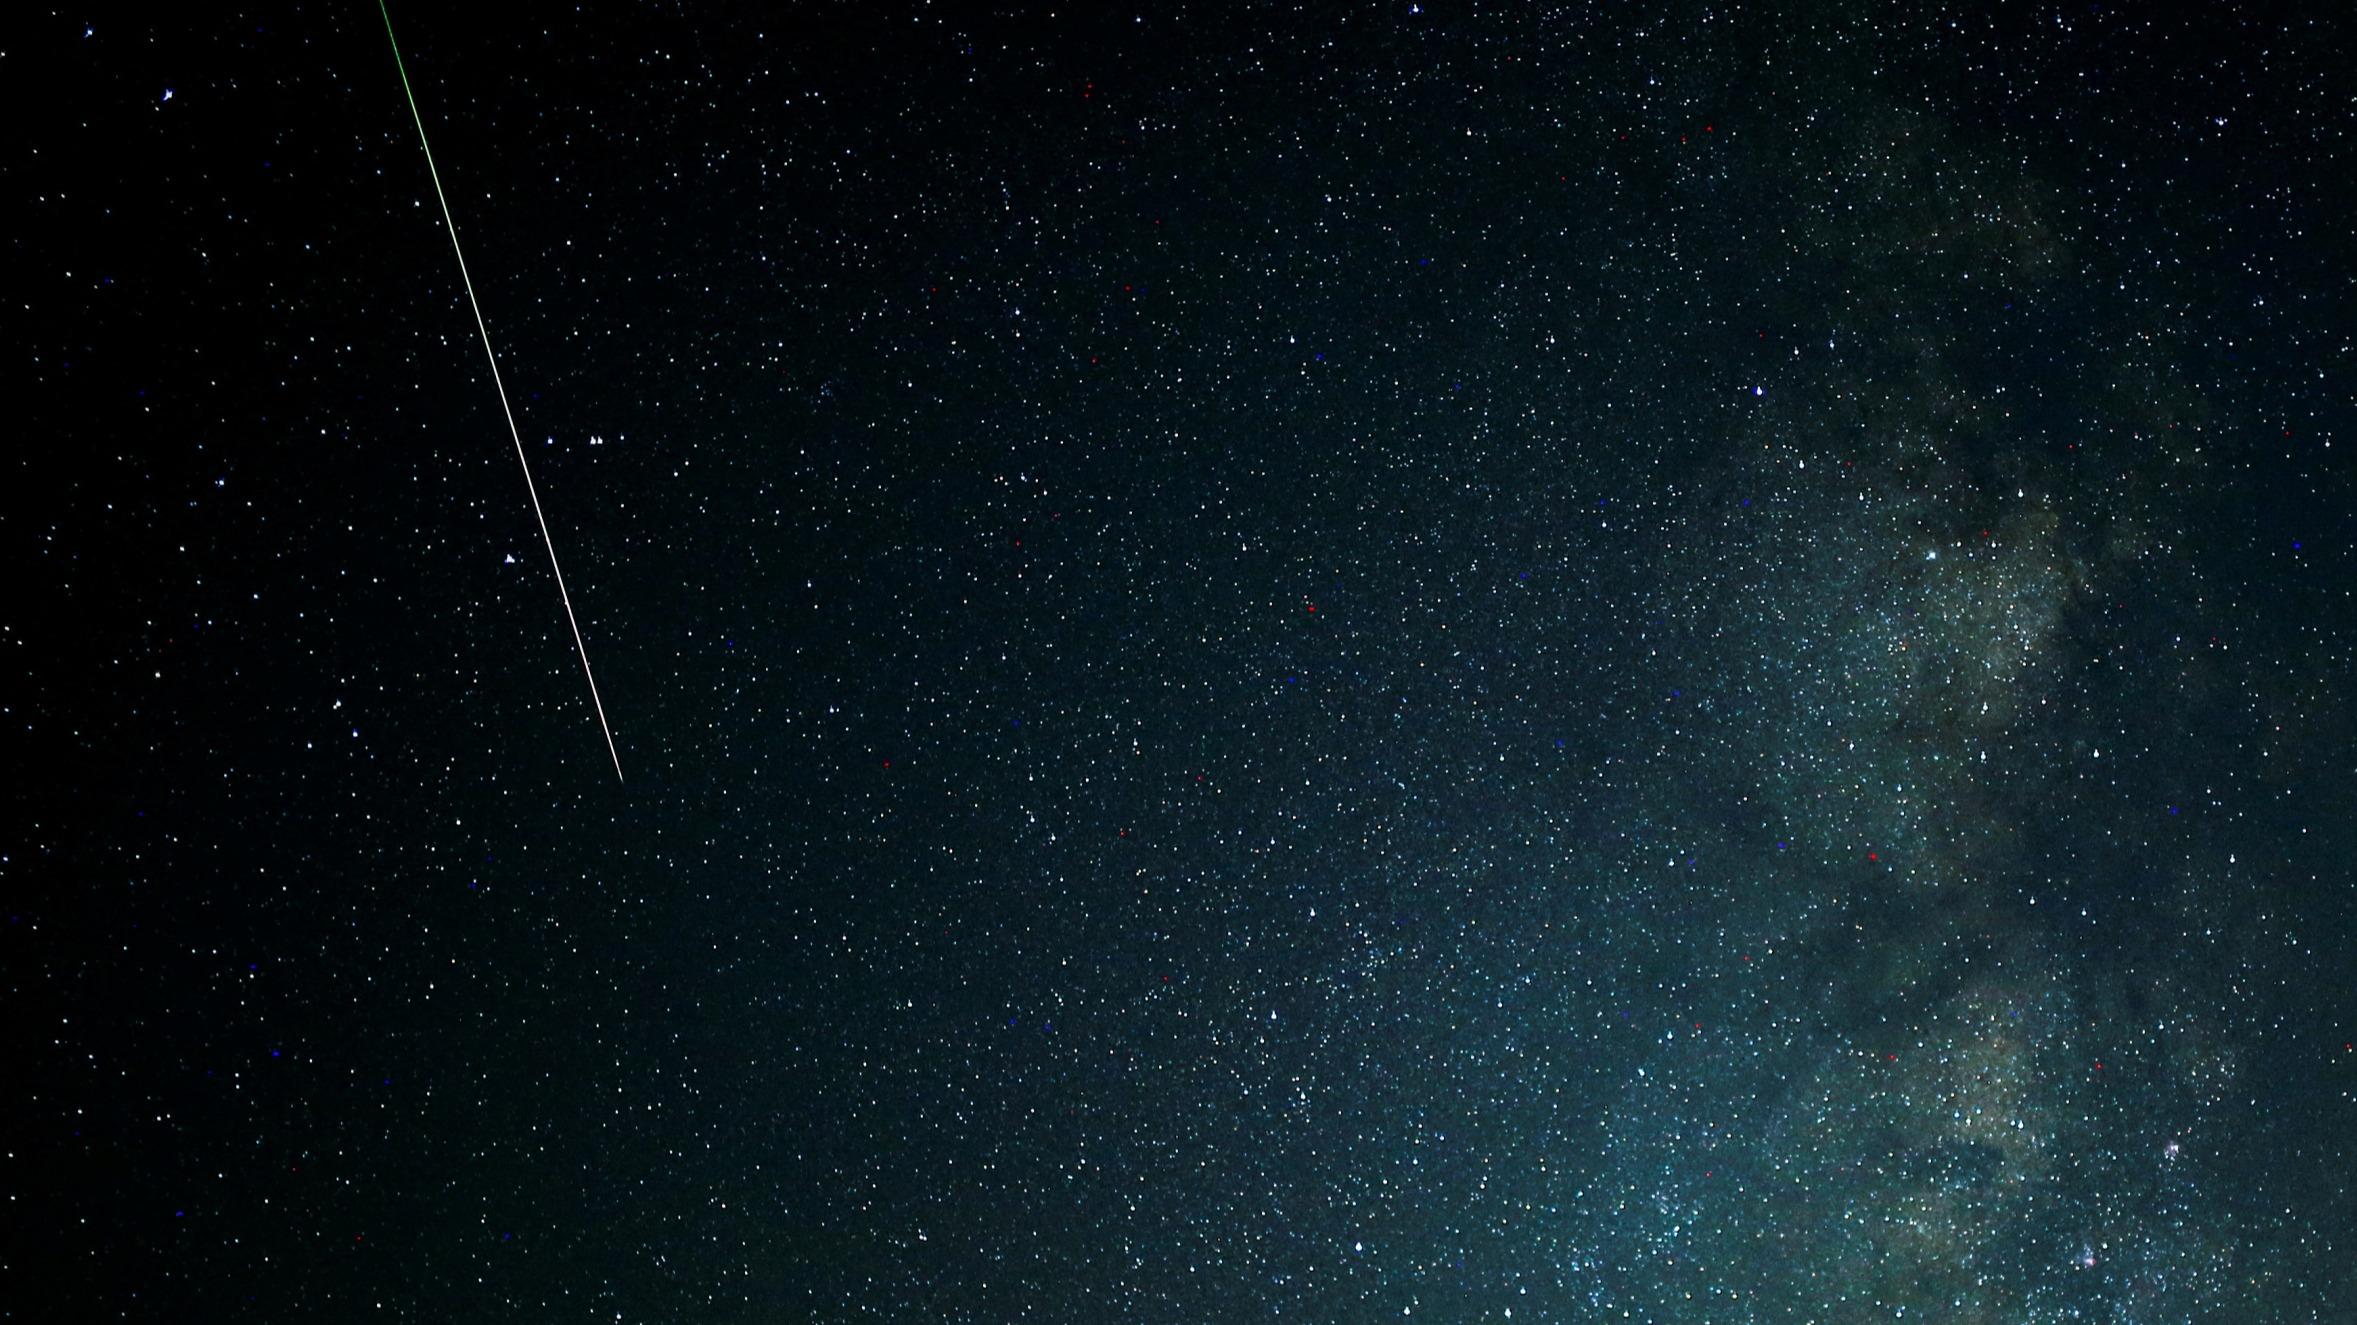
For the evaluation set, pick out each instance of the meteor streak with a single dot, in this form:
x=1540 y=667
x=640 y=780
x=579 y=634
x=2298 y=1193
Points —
x=501 y=386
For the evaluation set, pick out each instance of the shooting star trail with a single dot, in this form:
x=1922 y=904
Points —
x=504 y=408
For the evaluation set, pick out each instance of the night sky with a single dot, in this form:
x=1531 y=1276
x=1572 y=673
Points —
x=1320 y=663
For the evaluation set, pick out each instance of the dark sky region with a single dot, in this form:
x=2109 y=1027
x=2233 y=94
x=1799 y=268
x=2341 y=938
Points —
x=1566 y=663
